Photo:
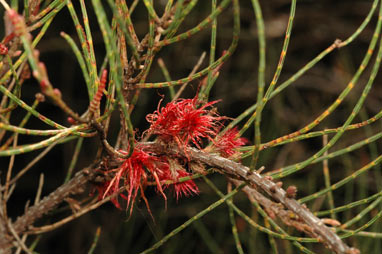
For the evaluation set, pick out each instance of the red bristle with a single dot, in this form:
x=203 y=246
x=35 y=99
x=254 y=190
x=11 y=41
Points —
x=3 y=49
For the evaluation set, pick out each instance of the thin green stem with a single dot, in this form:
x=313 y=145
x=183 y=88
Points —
x=115 y=69
x=343 y=181
x=231 y=49
x=349 y=205
x=305 y=68
x=74 y=159
x=188 y=222
x=204 y=94
x=355 y=111
x=80 y=60
x=261 y=80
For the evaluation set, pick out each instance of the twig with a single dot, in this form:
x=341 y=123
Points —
x=84 y=210
x=18 y=251
x=39 y=189
x=273 y=209
x=30 y=164
x=306 y=222
x=236 y=170
x=196 y=67
x=6 y=194
x=3 y=225
x=20 y=243
x=108 y=148
x=74 y=186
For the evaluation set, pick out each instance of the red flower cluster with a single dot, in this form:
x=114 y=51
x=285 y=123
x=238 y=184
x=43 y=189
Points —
x=182 y=121
x=228 y=142
x=139 y=169
x=134 y=172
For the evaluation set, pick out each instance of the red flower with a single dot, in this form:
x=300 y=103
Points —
x=134 y=173
x=139 y=169
x=227 y=143
x=182 y=121
x=185 y=122
x=185 y=188
x=101 y=188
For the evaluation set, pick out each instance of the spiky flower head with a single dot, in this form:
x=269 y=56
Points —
x=134 y=173
x=183 y=121
x=228 y=143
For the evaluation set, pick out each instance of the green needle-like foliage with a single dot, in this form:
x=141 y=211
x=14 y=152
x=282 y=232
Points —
x=98 y=102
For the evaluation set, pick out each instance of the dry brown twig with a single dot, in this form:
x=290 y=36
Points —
x=306 y=221
x=22 y=223
x=239 y=171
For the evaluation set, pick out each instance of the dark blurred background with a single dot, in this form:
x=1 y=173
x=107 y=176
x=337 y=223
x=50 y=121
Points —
x=316 y=26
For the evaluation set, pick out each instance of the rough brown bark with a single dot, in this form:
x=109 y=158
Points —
x=239 y=171
x=33 y=213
